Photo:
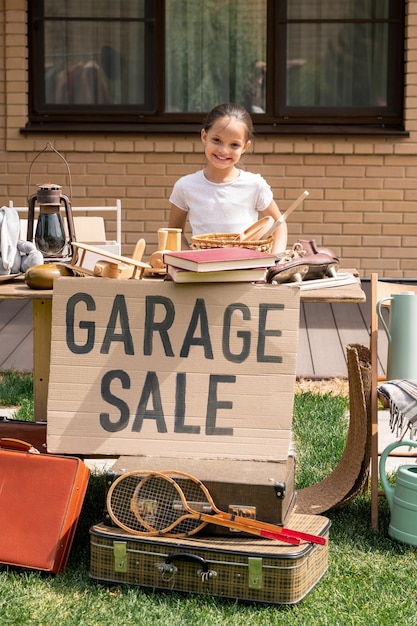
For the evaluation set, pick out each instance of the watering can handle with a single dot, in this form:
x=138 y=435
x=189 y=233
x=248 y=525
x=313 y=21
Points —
x=379 y=312
x=389 y=489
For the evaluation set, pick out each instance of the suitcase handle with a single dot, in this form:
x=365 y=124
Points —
x=169 y=570
x=185 y=556
x=17 y=444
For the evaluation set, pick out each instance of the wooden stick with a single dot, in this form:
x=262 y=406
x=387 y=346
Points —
x=283 y=217
x=256 y=230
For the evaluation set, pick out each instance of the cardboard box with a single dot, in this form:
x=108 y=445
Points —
x=159 y=369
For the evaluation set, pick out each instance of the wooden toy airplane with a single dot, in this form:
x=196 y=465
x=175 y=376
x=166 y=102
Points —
x=122 y=266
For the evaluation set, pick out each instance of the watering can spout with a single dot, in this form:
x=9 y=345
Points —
x=402 y=498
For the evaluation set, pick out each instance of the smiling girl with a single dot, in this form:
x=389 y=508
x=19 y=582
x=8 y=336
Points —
x=222 y=197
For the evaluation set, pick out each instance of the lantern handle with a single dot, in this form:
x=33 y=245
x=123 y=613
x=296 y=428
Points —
x=49 y=144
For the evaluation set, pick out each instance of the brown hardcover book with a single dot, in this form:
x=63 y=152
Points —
x=250 y=275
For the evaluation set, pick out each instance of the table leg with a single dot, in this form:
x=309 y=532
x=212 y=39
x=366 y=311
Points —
x=42 y=322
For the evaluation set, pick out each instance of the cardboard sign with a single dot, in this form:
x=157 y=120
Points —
x=159 y=369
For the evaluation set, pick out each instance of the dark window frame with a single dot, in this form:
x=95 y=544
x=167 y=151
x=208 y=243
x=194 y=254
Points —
x=279 y=118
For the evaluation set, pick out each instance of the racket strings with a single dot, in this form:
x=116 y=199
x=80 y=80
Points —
x=159 y=506
x=157 y=503
x=197 y=504
x=118 y=501
x=194 y=495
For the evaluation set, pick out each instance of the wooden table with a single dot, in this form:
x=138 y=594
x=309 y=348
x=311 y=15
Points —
x=346 y=293
x=42 y=321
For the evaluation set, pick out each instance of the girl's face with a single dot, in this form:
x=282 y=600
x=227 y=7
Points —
x=225 y=142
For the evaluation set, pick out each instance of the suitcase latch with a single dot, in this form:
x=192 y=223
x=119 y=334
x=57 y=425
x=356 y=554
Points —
x=255 y=573
x=120 y=556
x=280 y=489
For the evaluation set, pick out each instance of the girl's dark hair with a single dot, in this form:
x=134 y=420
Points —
x=229 y=109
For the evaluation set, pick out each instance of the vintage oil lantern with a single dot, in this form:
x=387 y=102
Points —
x=50 y=236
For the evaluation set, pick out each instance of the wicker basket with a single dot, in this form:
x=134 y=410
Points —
x=229 y=240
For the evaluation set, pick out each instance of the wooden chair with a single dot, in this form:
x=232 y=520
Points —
x=90 y=225
x=379 y=290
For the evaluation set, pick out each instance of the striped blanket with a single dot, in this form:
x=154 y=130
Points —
x=401 y=396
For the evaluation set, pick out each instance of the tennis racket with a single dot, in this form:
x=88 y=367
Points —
x=193 y=488
x=141 y=514
x=181 y=507
x=152 y=503
x=177 y=507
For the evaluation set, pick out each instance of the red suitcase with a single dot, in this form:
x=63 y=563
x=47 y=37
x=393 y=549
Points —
x=41 y=496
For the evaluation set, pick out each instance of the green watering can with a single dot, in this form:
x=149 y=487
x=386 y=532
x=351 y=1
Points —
x=402 y=498
x=402 y=335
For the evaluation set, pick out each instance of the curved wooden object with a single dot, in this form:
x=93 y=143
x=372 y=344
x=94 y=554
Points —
x=351 y=473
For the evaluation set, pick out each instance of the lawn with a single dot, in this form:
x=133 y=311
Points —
x=371 y=579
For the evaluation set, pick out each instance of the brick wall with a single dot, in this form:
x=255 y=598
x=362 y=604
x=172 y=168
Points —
x=363 y=191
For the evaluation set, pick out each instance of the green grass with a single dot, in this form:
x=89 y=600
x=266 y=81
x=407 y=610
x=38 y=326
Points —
x=16 y=390
x=320 y=425
x=371 y=579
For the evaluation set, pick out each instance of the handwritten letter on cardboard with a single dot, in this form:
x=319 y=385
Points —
x=158 y=369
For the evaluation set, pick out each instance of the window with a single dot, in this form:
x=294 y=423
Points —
x=159 y=65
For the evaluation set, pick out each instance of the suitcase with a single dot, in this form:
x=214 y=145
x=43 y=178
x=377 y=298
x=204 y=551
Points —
x=260 y=489
x=244 y=569
x=35 y=432
x=41 y=497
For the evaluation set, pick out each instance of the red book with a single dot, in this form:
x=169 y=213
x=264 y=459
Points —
x=217 y=259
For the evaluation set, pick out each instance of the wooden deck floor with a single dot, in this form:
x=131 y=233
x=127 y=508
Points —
x=325 y=331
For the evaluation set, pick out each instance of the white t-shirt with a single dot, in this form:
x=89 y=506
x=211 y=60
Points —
x=221 y=207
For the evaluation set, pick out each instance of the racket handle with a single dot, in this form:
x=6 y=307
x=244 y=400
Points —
x=297 y=534
x=267 y=534
x=321 y=541
x=219 y=520
x=275 y=529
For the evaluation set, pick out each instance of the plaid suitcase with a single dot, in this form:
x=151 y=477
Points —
x=41 y=497
x=247 y=569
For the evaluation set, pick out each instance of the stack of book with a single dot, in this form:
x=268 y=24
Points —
x=218 y=265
